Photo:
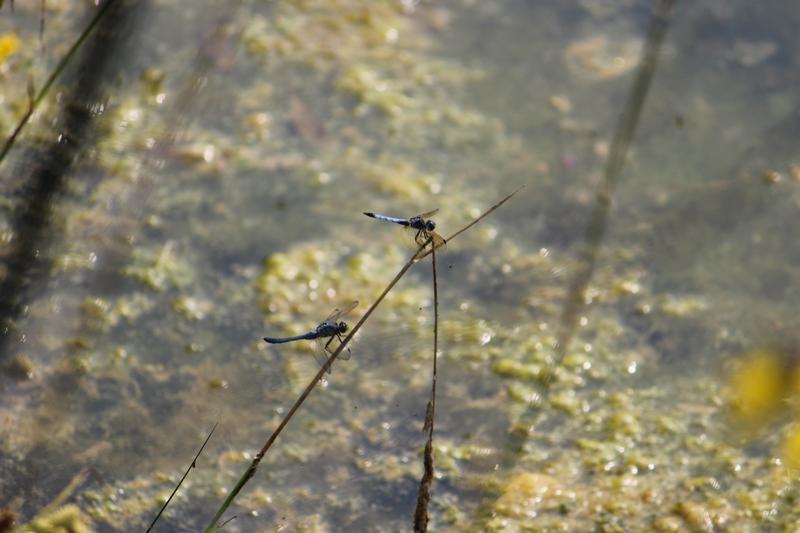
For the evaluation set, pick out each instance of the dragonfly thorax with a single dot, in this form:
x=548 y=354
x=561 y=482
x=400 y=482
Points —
x=329 y=329
x=422 y=224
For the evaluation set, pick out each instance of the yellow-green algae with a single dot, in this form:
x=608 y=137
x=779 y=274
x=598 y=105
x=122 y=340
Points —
x=622 y=455
x=160 y=269
x=66 y=519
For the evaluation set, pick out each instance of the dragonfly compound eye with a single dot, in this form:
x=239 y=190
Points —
x=430 y=225
x=342 y=327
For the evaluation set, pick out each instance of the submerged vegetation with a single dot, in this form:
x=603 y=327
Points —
x=218 y=195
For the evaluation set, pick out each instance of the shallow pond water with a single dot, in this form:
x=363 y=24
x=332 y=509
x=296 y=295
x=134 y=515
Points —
x=203 y=171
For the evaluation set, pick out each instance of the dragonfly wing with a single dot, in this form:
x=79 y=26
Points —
x=438 y=240
x=417 y=238
x=345 y=354
x=428 y=238
x=321 y=354
x=325 y=346
x=429 y=213
x=344 y=311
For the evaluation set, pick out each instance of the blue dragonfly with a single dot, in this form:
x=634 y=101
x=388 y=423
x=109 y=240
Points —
x=423 y=225
x=330 y=328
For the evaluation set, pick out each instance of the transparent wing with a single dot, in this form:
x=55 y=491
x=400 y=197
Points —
x=438 y=240
x=344 y=355
x=325 y=346
x=429 y=214
x=421 y=238
x=339 y=313
x=410 y=236
x=321 y=354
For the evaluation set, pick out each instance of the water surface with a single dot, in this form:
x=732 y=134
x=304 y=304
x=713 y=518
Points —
x=216 y=196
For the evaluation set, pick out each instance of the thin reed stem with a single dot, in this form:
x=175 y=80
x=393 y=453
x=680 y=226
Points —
x=185 y=474
x=424 y=495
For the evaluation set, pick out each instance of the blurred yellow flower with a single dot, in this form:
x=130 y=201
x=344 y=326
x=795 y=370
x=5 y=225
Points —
x=790 y=449
x=9 y=43
x=759 y=386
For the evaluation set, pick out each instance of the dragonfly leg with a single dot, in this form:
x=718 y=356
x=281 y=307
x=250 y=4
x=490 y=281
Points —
x=423 y=238
x=328 y=344
x=417 y=239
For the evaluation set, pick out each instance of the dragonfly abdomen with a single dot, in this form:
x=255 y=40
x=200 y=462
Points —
x=280 y=340
x=401 y=221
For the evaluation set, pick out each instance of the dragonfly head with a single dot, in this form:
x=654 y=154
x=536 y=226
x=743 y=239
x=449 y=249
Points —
x=430 y=225
x=342 y=326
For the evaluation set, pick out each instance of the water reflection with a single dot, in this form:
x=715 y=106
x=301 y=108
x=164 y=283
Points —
x=43 y=170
